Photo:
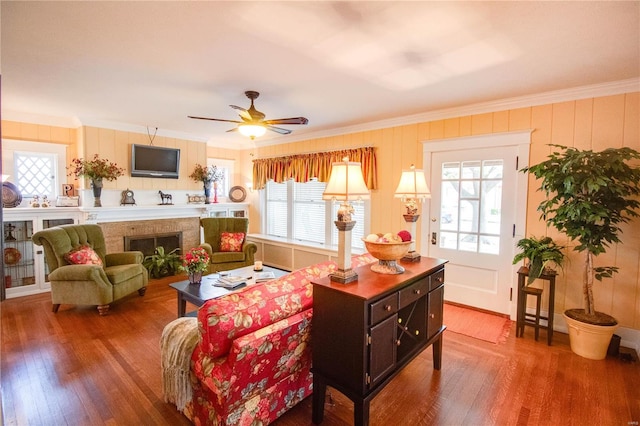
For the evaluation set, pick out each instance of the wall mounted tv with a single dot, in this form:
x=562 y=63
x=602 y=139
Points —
x=155 y=161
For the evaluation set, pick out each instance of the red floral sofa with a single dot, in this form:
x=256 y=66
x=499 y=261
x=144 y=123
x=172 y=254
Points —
x=252 y=359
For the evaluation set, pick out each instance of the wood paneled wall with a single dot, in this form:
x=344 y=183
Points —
x=595 y=123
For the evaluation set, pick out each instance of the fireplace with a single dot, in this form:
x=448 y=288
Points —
x=147 y=243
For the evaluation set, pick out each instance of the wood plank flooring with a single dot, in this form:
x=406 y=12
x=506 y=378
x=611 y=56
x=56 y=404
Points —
x=78 y=368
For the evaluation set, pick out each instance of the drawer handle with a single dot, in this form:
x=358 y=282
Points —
x=387 y=308
x=439 y=279
x=416 y=291
x=398 y=342
x=432 y=316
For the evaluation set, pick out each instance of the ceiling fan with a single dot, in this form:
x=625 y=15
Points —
x=253 y=123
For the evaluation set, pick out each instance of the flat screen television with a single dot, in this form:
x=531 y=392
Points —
x=155 y=161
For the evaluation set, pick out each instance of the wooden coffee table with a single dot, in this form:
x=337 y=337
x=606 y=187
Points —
x=197 y=294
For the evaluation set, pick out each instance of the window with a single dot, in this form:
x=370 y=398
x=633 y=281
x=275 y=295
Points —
x=297 y=211
x=35 y=173
x=224 y=186
x=36 y=168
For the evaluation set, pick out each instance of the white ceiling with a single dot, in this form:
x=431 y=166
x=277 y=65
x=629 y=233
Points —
x=340 y=64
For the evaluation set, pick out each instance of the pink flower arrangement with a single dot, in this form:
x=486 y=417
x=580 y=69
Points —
x=195 y=260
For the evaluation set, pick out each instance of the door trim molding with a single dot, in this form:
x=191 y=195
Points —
x=521 y=140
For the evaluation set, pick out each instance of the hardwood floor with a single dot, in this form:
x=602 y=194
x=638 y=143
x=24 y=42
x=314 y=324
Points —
x=77 y=368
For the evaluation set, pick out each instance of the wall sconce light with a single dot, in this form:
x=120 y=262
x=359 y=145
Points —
x=252 y=130
x=346 y=184
x=412 y=189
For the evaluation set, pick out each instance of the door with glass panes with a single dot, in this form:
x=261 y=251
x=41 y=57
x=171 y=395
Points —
x=472 y=220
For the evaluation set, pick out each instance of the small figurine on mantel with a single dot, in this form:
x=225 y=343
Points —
x=45 y=201
x=167 y=199
x=35 y=202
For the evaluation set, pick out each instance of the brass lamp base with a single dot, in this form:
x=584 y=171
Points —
x=344 y=276
x=412 y=256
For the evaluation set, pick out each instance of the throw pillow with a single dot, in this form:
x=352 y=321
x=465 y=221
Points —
x=83 y=255
x=231 y=241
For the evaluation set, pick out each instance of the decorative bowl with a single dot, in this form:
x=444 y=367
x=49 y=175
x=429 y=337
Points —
x=387 y=255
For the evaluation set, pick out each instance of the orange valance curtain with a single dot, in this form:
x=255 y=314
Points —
x=303 y=167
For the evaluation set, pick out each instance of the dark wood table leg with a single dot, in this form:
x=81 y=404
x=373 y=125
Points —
x=552 y=298
x=182 y=306
x=361 y=413
x=521 y=306
x=437 y=353
x=319 y=392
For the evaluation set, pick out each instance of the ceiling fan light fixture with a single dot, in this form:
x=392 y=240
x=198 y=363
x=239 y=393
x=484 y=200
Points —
x=252 y=130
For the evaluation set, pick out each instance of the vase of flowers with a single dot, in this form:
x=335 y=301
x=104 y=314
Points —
x=209 y=176
x=97 y=170
x=195 y=262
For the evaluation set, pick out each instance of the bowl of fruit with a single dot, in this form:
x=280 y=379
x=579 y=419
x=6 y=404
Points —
x=388 y=249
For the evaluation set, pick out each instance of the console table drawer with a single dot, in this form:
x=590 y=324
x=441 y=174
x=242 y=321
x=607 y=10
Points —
x=414 y=292
x=383 y=308
x=436 y=279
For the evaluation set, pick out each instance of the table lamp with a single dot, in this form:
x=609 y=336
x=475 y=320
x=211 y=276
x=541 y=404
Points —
x=412 y=189
x=346 y=184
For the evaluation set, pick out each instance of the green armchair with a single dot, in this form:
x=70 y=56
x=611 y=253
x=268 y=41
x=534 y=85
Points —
x=89 y=284
x=213 y=227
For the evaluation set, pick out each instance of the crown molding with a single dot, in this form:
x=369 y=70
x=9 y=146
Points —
x=572 y=94
x=564 y=95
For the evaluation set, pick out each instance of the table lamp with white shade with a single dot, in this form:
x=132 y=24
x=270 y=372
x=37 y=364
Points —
x=413 y=189
x=346 y=183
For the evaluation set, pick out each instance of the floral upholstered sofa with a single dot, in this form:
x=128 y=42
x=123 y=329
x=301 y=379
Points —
x=252 y=356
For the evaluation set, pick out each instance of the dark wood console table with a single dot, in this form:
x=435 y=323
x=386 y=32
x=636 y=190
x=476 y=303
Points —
x=366 y=331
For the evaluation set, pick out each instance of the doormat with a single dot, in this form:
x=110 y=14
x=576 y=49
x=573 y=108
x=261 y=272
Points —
x=479 y=325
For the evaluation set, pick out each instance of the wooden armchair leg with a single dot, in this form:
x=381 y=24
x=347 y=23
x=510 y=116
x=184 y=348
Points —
x=142 y=291
x=55 y=308
x=103 y=309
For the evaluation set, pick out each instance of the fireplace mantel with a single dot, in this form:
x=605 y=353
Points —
x=131 y=213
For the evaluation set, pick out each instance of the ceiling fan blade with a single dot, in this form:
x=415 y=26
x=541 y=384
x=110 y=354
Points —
x=235 y=129
x=215 y=119
x=292 y=120
x=278 y=129
x=244 y=114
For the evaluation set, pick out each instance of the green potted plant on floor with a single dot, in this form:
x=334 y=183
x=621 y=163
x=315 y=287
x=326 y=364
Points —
x=162 y=264
x=589 y=196
x=542 y=255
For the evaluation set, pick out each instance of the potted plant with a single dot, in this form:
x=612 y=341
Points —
x=208 y=175
x=97 y=170
x=541 y=253
x=589 y=196
x=162 y=264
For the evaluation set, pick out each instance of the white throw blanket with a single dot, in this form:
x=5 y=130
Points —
x=178 y=340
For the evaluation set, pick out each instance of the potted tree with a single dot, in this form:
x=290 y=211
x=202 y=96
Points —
x=589 y=196
x=543 y=254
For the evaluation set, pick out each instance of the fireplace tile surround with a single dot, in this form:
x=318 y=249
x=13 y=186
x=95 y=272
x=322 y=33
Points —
x=118 y=222
x=133 y=221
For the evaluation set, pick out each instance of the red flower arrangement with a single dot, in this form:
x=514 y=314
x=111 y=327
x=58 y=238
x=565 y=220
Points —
x=195 y=260
x=96 y=168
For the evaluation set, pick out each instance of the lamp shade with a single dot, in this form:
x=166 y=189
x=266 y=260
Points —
x=346 y=182
x=413 y=184
x=252 y=130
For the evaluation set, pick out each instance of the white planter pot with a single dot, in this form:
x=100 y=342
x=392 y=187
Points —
x=589 y=340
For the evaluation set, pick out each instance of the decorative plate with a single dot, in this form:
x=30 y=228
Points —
x=12 y=256
x=11 y=196
x=237 y=194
